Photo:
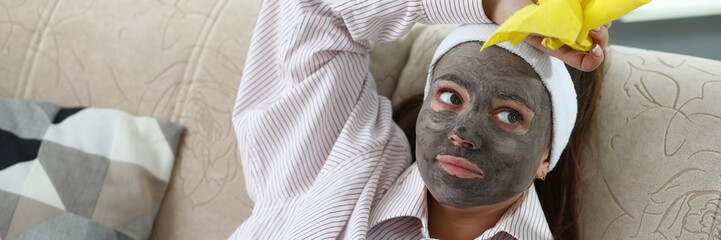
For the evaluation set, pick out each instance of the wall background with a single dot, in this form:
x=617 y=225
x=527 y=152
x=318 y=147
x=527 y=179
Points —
x=697 y=36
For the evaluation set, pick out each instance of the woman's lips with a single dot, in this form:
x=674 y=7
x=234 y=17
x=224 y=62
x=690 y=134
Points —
x=459 y=167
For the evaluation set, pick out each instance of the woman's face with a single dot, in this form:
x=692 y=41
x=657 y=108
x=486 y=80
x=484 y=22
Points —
x=483 y=129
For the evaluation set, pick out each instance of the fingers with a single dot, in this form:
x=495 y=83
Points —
x=566 y=54
x=592 y=59
x=595 y=57
x=600 y=35
x=584 y=61
x=500 y=10
x=608 y=25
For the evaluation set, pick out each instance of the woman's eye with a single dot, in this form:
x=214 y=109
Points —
x=509 y=117
x=450 y=98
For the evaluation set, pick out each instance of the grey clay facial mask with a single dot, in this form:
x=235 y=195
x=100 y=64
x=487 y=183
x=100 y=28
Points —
x=487 y=109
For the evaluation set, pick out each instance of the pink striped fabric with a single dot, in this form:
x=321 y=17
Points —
x=321 y=155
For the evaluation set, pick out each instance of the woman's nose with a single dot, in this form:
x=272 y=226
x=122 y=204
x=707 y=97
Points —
x=460 y=142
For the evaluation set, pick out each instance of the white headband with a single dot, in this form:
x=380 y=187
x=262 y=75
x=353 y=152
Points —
x=552 y=71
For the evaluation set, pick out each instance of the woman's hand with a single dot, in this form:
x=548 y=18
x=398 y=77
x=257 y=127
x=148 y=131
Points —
x=584 y=61
x=500 y=10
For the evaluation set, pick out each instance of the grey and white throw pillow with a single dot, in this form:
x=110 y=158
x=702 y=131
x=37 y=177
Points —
x=81 y=173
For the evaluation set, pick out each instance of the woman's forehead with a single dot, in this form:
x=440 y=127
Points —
x=491 y=71
x=468 y=54
x=493 y=62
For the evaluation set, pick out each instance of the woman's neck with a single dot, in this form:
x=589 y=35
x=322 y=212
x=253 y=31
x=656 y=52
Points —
x=446 y=222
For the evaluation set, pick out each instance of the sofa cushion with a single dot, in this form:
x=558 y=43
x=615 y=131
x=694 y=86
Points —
x=81 y=173
x=651 y=164
x=412 y=79
x=388 y=59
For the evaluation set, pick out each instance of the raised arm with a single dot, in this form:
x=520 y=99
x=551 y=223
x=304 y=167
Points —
x=306 y=81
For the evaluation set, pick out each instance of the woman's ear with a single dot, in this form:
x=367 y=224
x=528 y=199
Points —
x=543 y=168
x=545 y=162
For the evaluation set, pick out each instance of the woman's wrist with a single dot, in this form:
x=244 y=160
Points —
x=500 y=10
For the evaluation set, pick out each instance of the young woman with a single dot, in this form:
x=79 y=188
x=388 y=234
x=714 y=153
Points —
x=323 y=158
x=557 y=192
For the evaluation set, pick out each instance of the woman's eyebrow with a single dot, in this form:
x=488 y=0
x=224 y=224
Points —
x=454 y=78
x=512 y=97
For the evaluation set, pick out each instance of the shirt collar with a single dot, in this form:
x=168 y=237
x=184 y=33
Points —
x=523 y=220
x=407 y=198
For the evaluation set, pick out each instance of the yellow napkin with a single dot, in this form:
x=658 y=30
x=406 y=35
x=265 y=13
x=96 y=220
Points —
x=562 y=21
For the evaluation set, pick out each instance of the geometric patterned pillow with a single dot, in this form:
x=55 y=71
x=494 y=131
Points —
x=81 y=173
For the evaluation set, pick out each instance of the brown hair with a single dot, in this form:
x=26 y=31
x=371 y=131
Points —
x=558 y=194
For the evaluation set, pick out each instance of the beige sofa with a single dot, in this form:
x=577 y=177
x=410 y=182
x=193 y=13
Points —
x=650 y=170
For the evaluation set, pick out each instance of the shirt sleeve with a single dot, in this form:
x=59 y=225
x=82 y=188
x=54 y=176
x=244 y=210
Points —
x=307 y=99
